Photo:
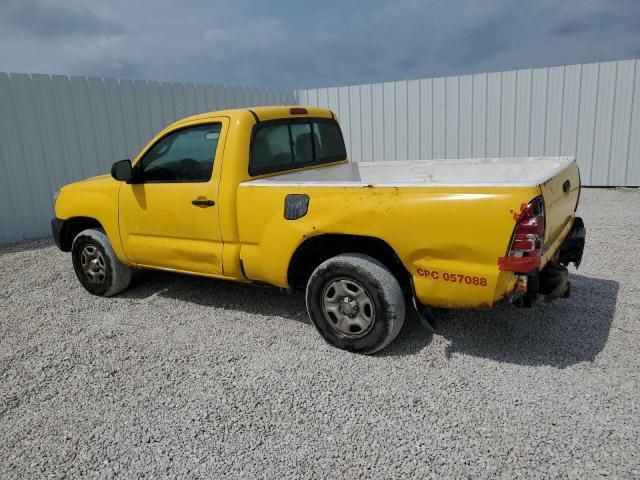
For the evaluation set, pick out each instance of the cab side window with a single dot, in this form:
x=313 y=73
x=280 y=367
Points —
x=182 y=156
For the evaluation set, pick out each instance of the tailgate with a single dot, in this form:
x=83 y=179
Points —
x=560 y=195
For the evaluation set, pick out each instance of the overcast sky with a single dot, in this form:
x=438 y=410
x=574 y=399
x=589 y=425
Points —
x=306 y=43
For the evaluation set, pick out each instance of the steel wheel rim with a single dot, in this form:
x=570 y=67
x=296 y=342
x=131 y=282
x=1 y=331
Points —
x=348 y=307
x=93 y=264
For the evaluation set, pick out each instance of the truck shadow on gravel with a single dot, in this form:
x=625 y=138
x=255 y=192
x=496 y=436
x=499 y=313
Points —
x=559 y=335
x=255 y=300
x=252 y=299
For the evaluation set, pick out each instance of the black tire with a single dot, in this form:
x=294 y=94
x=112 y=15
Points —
x=382 y=291
x=110 y=276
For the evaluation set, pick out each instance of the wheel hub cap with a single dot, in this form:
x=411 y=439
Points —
x=93 y=264
x=348 y=308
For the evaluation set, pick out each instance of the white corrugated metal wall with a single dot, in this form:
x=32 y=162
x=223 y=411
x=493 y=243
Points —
x=58 y=129
x=589 y=111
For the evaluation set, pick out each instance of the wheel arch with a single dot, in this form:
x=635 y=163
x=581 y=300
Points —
x=72 y=227
x=315 y=250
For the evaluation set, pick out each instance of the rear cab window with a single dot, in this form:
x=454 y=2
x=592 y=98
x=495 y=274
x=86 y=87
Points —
x=280 y=145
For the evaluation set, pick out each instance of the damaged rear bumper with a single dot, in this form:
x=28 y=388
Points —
x=553 y=280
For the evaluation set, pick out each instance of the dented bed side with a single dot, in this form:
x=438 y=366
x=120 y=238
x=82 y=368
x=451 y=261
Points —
x=449 y=239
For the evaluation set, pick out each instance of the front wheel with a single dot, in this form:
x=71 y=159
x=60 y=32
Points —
x=96 y=264
x=355 y=303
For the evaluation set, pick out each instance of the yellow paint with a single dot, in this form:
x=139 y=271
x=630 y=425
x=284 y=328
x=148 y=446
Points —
x=452 y=230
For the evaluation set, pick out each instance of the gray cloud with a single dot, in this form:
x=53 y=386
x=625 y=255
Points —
x=49 y=20
x=292 y=43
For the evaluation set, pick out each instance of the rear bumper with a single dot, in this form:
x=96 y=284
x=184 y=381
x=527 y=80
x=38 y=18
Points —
x=56 y=231
x=553 y=280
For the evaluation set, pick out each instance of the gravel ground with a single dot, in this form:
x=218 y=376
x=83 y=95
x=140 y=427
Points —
x=190 y=378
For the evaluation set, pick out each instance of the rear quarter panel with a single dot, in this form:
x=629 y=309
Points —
x=439 y=233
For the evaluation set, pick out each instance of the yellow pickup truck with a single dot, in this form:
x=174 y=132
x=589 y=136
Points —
x=267 y=195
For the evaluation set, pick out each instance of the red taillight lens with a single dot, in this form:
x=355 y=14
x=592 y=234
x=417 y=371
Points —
x=298 y=111
x=519 y=264
x=525 y=243
x=533 y=225
x=528 y=239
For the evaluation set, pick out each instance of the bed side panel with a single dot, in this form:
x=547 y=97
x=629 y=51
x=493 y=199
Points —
x=448 y=239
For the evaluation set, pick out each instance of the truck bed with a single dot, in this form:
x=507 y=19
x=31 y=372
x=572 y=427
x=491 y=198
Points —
x=448 y=216
x=477 y=172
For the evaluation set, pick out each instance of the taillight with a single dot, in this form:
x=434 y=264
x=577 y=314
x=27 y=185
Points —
x=298 y=111
x=525 y=250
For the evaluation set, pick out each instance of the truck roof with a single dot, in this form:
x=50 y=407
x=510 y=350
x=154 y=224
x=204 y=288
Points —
x=262 y=113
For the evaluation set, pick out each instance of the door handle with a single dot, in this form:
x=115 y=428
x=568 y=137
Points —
x=203 y=203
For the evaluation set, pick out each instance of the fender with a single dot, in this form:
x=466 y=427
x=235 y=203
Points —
x=95 y=198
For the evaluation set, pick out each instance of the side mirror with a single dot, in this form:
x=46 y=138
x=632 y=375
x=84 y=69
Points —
x=122 y=170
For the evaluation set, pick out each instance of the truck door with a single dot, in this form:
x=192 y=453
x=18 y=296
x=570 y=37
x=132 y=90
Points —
x=168 y=215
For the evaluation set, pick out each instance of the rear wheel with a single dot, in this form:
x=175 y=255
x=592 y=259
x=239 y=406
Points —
x=355 y=303
x=96 y=264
